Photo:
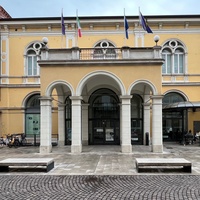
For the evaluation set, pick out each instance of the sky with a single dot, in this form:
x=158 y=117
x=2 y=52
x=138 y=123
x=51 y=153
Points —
x=53 y=8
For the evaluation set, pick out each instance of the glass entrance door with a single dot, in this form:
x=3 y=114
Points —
x=104 y=118
x=105 y=131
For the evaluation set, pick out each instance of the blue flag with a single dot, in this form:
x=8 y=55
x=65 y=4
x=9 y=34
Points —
x=62 y=24
x=144 y=24
x=126 y=27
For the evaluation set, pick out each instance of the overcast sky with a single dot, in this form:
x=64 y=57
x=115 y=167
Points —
x=52 y=8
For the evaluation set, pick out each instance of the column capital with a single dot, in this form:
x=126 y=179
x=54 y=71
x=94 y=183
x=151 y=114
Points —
x=45 y=101
x=157 y=96
x=146 y=104
x=125 y=96
x=46 y=98
x=85 y=105
x=61 y=104
x=76 y=97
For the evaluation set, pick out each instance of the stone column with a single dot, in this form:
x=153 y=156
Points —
x=61 y=124
x=146 y=107
x=126 y=146
x=45 y=125
x=125 y=52
x=75 y=53
x=85 y=123
x=76 y=146
x=157 y=139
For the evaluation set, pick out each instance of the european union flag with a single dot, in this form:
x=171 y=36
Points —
x=126 y=27
x=144 y=24
x=62 y=24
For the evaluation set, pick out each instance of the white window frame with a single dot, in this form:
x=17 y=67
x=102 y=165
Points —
x=172 y=46
x=33 y=51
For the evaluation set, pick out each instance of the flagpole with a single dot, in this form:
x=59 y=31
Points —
x=139 y=23
x=76 y=28
x=62 y=28
x=124 y=29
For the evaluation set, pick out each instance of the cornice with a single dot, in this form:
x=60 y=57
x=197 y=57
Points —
x=105 y=21
x=89 y=63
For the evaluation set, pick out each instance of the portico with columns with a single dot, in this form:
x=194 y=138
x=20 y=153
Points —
x=102 y=99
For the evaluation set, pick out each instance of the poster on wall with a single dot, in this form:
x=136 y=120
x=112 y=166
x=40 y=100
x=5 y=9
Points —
x=32 y=124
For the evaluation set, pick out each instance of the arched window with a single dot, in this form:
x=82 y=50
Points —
x=174 y=117
x=173 y=97
x=173 y=53
x=32 y=115
x=104 y=50
x=32 y=56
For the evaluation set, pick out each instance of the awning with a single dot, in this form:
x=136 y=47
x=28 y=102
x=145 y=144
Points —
x=182 y=105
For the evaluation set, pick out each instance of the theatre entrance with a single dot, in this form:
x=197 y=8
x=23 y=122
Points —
x=104 y=118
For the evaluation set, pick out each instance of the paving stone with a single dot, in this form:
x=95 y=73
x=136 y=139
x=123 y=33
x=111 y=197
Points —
x=100 y=187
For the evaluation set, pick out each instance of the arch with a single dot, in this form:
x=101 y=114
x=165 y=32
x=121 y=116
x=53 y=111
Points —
x=86 y=78
x=177 y=91
x=52 y=85
x=28 y=96
x=30 y=44
x=174 y=39
x=151 y=85
x=104 y=40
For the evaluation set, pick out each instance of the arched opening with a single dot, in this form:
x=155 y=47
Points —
x=32 y=115
x=104 y=118
x=68 y=121
x=174 y=117
x=136 y=119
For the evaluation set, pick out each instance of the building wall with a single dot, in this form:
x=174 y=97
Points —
x=17 y=35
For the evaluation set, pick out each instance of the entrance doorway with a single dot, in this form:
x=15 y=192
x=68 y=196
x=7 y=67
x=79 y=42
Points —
x=105 y=131
x=104 y=118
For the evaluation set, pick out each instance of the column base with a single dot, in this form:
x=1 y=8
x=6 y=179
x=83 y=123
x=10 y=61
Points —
x=61 y=143
x=85 y=142
x=76 y=148
x=157 y=148
x=45 y=149
x=126 y=148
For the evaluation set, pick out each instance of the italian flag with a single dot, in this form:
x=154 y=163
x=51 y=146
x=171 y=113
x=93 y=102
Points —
x=78 y=26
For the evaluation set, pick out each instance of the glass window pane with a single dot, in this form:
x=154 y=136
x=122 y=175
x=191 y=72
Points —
x=34 y=65
x=164 y=64
x=168 y=63
x=181 y=63
x=32 y=124
x=29 y=65
x=175 y=63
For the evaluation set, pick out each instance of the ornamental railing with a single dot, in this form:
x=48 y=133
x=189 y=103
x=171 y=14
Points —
x=100 y=53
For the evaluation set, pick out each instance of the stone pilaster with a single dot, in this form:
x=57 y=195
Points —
x=126 y=146
x=46 y=125
x=76 y=146
x=157 y=139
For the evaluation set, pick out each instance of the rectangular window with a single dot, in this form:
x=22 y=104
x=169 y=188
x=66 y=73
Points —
x=32 y=65
x=164 y=65
x=168 y=64
x=181 y=61
x=29 y=65
x=176 y=63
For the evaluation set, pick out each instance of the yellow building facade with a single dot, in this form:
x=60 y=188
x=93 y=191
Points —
x=101 y=88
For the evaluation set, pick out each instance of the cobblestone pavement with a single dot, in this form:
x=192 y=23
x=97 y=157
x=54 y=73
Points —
x=101 y=172
x=153 y=187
